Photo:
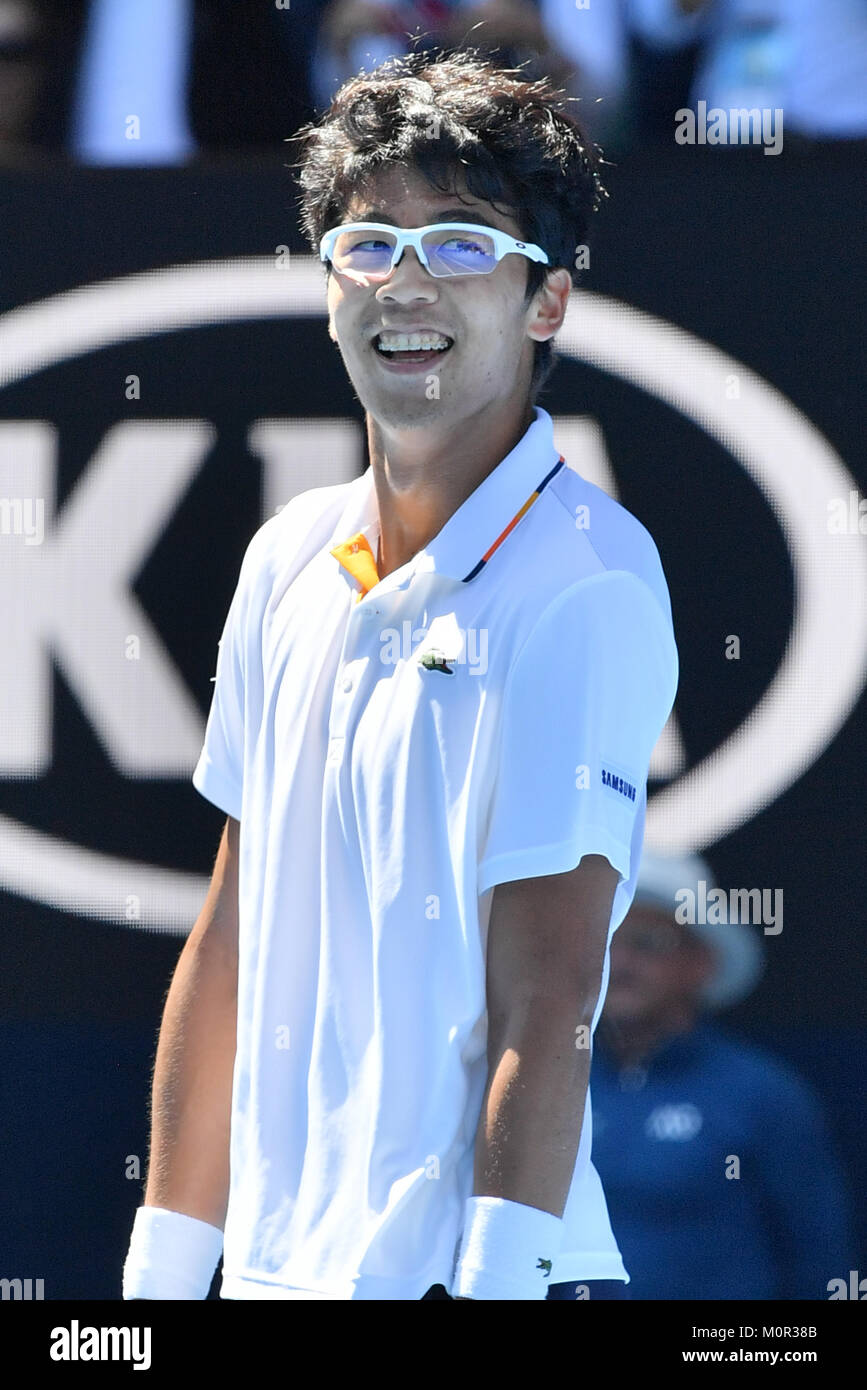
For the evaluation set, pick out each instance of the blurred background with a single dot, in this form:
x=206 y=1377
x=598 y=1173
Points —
x=166 y=383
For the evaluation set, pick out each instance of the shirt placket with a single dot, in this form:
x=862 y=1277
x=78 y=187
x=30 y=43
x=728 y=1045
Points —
x=356 y=556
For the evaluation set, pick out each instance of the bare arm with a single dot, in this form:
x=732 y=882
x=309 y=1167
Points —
x=191 y=1097
x=546 y=948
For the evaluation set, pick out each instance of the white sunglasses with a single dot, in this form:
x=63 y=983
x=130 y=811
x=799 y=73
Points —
x=370 y=250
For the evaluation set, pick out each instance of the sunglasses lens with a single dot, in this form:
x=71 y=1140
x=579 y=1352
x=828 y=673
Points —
x=449 y=252
x=459 y=253
x=366 y=252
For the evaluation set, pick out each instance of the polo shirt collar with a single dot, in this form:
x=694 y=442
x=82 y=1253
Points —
x=482 y=523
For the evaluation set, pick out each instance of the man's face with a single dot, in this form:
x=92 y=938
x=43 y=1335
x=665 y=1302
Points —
x=486 y=317
x=658 y=967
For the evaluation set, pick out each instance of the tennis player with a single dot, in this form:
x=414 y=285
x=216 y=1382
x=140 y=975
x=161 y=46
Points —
x=438 y=689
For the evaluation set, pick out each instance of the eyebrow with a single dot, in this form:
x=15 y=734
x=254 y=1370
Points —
x=447 y=215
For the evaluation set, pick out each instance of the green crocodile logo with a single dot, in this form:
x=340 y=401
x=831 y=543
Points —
x=546 y=1265
x=437 y=661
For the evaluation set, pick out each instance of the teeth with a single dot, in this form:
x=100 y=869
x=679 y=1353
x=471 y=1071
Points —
x=406 y=342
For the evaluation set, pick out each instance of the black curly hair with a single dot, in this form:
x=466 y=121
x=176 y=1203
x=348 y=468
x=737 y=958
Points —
x=514 y=141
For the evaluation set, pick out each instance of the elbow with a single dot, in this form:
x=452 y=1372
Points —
x=527 y=1006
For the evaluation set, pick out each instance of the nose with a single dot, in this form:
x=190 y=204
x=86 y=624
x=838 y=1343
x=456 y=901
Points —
x=408 y=280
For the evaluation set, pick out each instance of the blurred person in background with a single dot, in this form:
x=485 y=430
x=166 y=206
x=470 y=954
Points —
x=162 y=82
x=120 y=83
x=630 y=81
x=808 y=59
x=357 y=34
x=677 y=1099
x=131 y=99
x=36 y=41
x=635 y=63
x=22 y=73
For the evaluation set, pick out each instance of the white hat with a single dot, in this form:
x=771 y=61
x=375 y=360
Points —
x=739 y=950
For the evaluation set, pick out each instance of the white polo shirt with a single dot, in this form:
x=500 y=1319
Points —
x=381 y=798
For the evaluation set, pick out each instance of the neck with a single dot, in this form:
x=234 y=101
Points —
x=422 y=476
x=634 y=1041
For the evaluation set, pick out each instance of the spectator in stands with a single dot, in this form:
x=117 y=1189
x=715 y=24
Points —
x=629 y=72
x=810 y=60
x=192 y=75
x=112 y=82
x=637 y=62
x=37 y=44
x=357 y=34
x=721 y=1179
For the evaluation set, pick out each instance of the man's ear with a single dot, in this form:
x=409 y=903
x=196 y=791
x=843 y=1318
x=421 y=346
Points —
x=548 y=308
x=328 y=291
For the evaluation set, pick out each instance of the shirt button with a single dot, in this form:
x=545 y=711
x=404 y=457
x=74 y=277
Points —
x=347 y=684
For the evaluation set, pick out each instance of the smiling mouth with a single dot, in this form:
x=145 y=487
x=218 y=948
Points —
x=412 y=347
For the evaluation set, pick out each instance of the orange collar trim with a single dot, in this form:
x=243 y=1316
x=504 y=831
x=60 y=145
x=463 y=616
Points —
x=356 y=556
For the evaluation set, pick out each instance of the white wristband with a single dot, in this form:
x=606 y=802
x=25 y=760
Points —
x=170 y=1255
x=507 y=1250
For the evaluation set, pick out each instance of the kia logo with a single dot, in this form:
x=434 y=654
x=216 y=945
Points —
x=819 y=679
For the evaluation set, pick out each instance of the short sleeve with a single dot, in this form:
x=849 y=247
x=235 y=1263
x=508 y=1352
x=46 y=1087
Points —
x=583 y=707
x=219 y=773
